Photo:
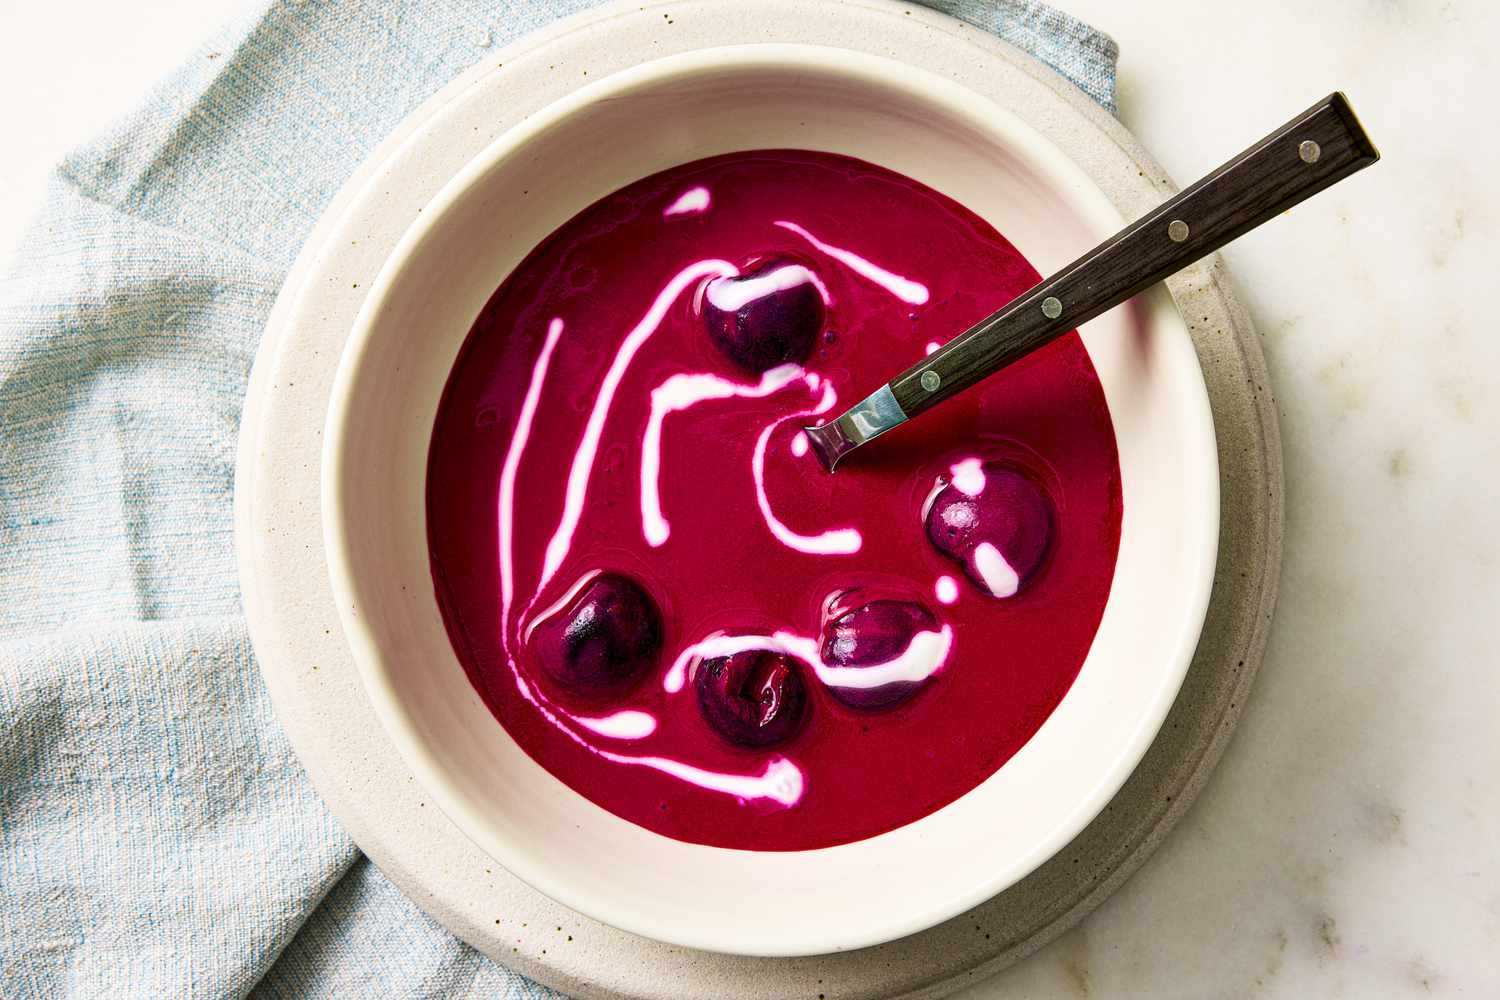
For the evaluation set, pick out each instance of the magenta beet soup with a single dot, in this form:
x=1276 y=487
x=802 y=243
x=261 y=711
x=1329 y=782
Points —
x=657 y=590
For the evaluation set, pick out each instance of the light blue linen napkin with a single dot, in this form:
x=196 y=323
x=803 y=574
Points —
x=158 y=838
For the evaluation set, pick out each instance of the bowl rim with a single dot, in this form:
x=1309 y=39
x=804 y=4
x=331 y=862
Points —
x=365 y=650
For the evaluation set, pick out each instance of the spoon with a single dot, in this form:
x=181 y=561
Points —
x=1319 y=147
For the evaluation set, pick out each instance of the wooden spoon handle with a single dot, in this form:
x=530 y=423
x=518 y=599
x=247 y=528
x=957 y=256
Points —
x=1317 y=148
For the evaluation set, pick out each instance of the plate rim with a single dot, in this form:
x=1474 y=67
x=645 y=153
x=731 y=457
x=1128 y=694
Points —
x=765 y=937
x=279 y=613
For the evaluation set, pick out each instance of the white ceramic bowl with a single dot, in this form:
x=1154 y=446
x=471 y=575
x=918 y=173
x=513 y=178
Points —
x=386 y=395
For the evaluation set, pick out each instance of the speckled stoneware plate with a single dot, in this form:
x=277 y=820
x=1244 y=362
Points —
x=292 y=612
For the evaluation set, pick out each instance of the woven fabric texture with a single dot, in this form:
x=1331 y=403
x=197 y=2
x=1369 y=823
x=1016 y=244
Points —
x=158 y=837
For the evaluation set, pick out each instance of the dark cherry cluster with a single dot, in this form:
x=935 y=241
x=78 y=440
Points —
x=610 y=636
x=996 y=522
x=758 y=698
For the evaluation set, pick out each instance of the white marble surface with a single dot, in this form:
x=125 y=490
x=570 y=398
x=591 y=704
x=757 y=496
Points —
x=1349 y=845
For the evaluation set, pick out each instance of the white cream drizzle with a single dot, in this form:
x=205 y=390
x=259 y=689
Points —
x=534 y=620
x=678 y=393
x=968 y=477
x=908 y=291
x=781 y=781
x=799 y=444
x=691 y=202
x=922 y=657
x=625 y=725
x=732 y=296
x=946 y=589
x=834 y=542
x=583 y=458
x=513 y=463
x=998 y=576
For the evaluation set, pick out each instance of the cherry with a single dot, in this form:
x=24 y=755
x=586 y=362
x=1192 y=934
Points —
x=604 y=640
x=755 y=698
x=871 y=634
x=768 y=316
x=995 y=521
